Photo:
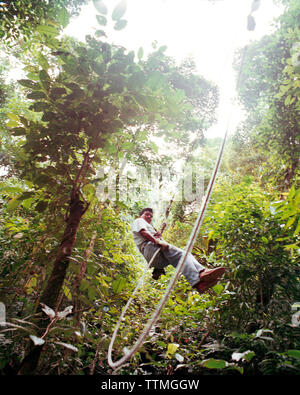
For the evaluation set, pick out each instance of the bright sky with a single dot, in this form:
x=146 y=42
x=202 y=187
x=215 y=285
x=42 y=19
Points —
x=209 y=31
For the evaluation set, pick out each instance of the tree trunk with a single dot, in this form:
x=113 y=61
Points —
x=51 y=293
x=83 y=267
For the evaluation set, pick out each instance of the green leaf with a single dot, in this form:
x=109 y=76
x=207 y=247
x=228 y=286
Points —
x=162 y=48
x=171 y=350
x=48 y=116
x=36 y=95
x=39 y=106
x=13 y=117
x=48 y=30
x=140 y=53
x=27 y=83
x=13 y=204
x=45 y=79
x=26 y=195
x=127 y=145
x=155 y=80
x=58 y=91
x=294 y=353
x=291 y=246
x=118 y=284
x=33 y=76
x=63 y=17
x=101 y=20
x=218 y=288
x=67 y=292
x=10 y=189
x=12 y=124
x=100 y=33
x=119 y=10
x=290 y=222
x=28 y=202
x=153 y=146
x=100 y=6
x=91 y=293
x=297 y=230
x=214 y=363
x=121 y=24
x=43 y=62
x=18 y=131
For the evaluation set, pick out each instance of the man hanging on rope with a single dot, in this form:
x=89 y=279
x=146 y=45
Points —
x=148 y=241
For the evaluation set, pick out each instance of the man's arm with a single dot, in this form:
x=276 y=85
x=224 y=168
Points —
x=147 y=236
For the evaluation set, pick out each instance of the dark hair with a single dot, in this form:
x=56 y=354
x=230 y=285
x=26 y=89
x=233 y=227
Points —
x=144 y=210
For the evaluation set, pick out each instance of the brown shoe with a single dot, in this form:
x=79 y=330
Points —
x=208 y=275
x=204 y=286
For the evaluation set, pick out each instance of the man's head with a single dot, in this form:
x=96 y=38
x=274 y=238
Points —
x=146 y=214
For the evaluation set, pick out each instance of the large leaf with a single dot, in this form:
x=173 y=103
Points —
x=100 y=6
x=45 y=79
x=18 y=131
x=171 y=350
x=13 y=204
x=63 y=17
x=27 y=83
x=13 y=117
x=58 y=91
x=120 y=24
x=118 y=284
x=48 y=30
x=294 y=353
x=43 y=62
x=101 y=20
x=140 y=53
x=36 y=95
x=214 y=363
x=39 y=106
x=119 y=10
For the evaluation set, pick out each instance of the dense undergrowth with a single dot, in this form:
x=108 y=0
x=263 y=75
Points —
x=242 y=326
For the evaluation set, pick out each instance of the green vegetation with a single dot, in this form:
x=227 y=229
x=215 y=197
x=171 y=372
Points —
x=68 y=264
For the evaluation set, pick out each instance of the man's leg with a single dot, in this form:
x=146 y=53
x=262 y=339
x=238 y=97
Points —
x=196 y=274
x=191 y=268
x=158 y=263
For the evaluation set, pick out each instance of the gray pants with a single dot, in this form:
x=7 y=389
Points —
x=172 y=256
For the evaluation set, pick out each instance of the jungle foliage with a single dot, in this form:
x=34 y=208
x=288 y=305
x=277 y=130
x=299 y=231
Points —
x=68 y=263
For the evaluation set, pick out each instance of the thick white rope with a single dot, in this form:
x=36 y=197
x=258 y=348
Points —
x=138 y=343
x=173 y=280
x=177 y=272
